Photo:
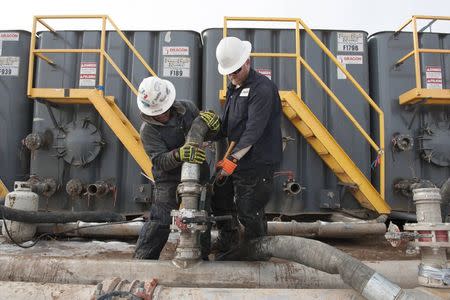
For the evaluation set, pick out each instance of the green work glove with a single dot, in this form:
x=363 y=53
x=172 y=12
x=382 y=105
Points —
x=191 y=153
x=211 y=119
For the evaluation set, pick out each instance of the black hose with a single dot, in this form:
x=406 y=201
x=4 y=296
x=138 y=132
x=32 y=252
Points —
x=445 y=194
x=197 y=132
x=59 y=217
x=319 y=256
x=400 y=215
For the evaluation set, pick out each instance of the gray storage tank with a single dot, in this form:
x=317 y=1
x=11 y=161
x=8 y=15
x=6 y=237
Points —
x=15 y=108
x=322 y=191
x=81 y=154
x=417 y=136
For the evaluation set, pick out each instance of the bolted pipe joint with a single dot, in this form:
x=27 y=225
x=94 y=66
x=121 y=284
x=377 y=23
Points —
x=189 y=220
x=428 y=205
x=434 y=239
x=34 y=141
x=75 y=187
x=402 y=142
x=99 y=189
x=292 y=187
x=43 y=186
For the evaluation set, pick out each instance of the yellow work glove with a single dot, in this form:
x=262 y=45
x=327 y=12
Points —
x=190 y=153
x=211 y=119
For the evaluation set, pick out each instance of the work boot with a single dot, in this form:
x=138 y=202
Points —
x=151 y=240
x=225 y=241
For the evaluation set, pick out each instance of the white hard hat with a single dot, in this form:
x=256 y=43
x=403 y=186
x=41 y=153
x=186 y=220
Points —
x=155 y=96
x=231 y=54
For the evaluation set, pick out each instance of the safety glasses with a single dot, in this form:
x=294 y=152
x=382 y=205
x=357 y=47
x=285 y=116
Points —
x=235 y=72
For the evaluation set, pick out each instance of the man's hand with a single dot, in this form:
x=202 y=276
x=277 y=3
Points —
x=190 y=153
x=226 y=166
x=211 y=119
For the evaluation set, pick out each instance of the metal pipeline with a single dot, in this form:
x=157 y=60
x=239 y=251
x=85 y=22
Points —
x=292 y=187
x=433 y=269
x=326 y=229
x=293 y=228
x=320 y=256
x=218 y=274
x=43 y=186
x=42 y=291
x=59 y=217
x=94 y=229
x=99 y=189
x=189 y=190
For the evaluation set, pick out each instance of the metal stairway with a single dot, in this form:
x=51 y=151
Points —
x=418 y=94
x=315 y=132
x=331 y=153
x=105 y=105
x=3 y=189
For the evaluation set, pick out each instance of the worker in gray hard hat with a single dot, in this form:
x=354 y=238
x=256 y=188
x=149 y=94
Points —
x=166 y=123
x=251 y=118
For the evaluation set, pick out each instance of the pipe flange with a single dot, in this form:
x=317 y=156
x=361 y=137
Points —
x=189 y=188
x=46 y=187
x=188 y=253
x=75 y=187
x=402 y=142
x=100 y=189
x=292 y=187
x=33 y=141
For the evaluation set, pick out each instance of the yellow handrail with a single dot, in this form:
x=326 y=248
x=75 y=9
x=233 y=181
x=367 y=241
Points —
x=416 y=49
x=300 y=61
x=101 y=51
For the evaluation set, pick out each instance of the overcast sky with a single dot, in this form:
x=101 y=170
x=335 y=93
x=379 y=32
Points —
x=371 y=16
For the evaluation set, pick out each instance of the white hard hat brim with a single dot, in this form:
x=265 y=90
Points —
x=149 y=111
x=245 y=55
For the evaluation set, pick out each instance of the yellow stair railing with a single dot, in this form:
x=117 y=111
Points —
x=313 y=130
x=3 y=189
x=419 y=94
x=105 y=105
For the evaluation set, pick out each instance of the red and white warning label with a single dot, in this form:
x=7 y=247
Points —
x=181 y=50
x=9 y=36
x=88 y=73
x=265 y=72
x=433 y=77
x=348 y=60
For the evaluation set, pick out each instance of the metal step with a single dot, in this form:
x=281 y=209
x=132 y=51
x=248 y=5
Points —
x=331 y=152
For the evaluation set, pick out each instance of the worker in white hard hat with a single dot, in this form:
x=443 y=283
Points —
x=251 y=118
x=166 y=123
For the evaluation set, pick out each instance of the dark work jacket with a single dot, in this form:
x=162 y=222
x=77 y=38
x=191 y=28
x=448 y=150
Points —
x=252 y=116
x=161 y=140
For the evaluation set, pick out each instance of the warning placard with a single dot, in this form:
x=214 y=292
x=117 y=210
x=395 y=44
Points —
x=9 y=65
x=433 y=77
x=182 y=50
x=265 y=72
x=88 y=73
x=9 y=36
x=348 y=60
x=177 y=66
x=350 y=41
